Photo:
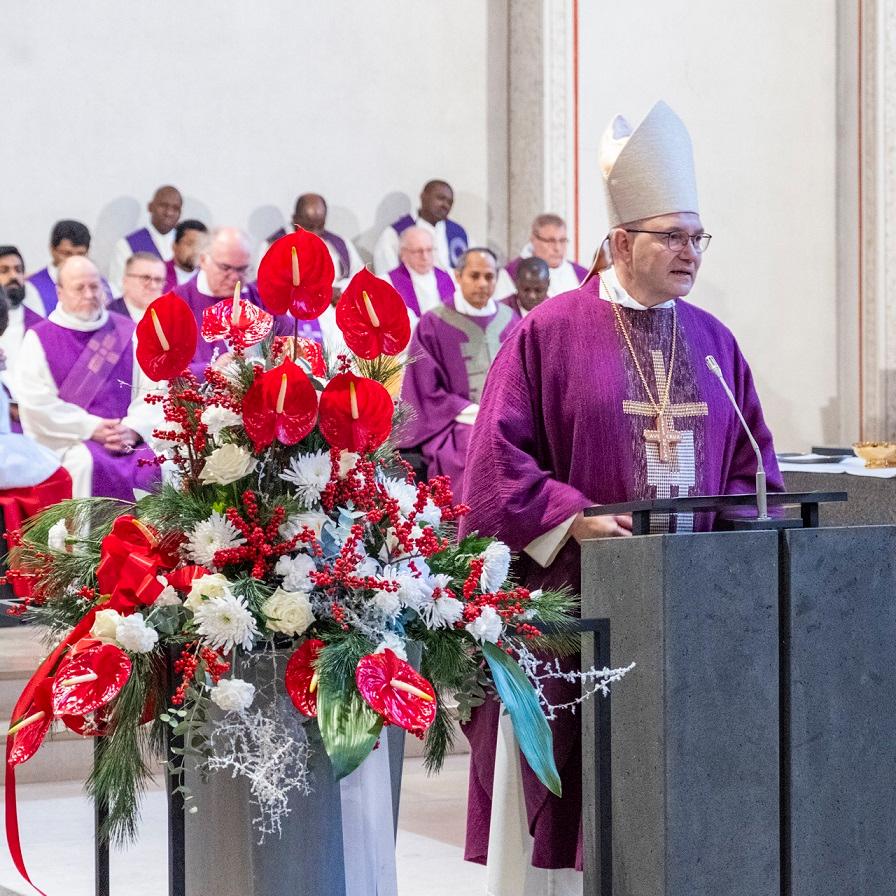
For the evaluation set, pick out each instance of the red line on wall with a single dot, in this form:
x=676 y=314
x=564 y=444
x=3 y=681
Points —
x=860 y=230
x=575 y=125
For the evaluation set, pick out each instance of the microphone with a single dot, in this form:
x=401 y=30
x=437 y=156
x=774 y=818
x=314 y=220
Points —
x=761 y=499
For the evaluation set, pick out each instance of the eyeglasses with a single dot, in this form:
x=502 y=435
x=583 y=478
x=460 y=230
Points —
x=561 y=242
x=676 y=240
x=230 y=268
x=420 y=251
x=147 y=279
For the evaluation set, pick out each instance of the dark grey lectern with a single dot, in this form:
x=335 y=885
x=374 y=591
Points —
x=753 y=748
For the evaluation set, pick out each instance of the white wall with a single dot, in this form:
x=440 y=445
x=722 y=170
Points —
x=242 y=106
x=756 y=85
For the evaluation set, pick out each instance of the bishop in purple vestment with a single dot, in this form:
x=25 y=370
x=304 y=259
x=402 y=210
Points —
x=81 y=393
x=602 y=395
x=453 y=348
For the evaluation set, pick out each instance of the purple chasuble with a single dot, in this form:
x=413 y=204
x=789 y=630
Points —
x=513 y=266
x=453 y=354
x=46 y=288
x=401 y=280
x=561 y=427
x=457 y=238
x=94 y=370
x=513 y=302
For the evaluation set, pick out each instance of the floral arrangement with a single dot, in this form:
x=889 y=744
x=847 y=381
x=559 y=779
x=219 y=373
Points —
x=285 y=523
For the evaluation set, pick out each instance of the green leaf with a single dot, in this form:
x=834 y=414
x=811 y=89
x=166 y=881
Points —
x=529 y=724
x=349 y=728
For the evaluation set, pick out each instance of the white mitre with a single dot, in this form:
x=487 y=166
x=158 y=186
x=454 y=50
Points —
x=648 y=171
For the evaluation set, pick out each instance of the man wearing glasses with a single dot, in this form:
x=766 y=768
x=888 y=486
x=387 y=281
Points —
x=144 y=280
x=549 y=242
x=601 y=395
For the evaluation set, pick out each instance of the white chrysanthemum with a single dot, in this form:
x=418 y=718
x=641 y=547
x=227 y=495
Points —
x=56 y=537
x=387 y=602
x=487 y=627
x=392 y=642
x=212 y=535
x=288 y=612
x=309 y=473
x=168 y=597
x=296 y=570
x=217 y=418
x=295 y=523
x=440 y=612
x=224 y=622
x=403 y=492
x=414 y=587
x=104 y=625
x=205 y=588
x=496 y=568
x=233 y=694
x=133 y=634
x=227 y=464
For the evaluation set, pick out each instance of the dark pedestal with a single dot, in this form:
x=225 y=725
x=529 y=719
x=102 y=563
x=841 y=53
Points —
x=871 y=501
x=693 y=752
x=841 y=689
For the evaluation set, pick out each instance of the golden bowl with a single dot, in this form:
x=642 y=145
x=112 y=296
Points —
x=876 y=454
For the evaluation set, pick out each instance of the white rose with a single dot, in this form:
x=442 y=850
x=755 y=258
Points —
x=233 y=694
x=496 y=568
x=56 y=537
x=133 y=634
x=205 y=588
x=288 y=612
x=392 y=642
x=104 y=625
x=227 y=464
x=487 y=626
x=217 y=418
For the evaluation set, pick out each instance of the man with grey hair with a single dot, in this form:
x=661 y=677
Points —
x=80 y=389
x=548 y=241
x=420 y=283
x=144 y=281
x=453 y=347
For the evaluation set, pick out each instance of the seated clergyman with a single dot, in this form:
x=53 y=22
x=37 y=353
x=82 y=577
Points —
x=452 y=349
x=421 y=284
x=144 y=280
x=81 y=391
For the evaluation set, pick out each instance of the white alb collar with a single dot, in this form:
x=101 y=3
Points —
x=612 y=291
x=464 y=307
x=70 y=322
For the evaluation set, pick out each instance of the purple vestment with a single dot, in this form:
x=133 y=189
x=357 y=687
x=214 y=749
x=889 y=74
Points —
x=458 y=241
x=46 y=288
x=453 y=353
x=94 y=370
x=141 y=241
x=170 y=275
x=553 y=437
x=513 y=265
x=401 y=280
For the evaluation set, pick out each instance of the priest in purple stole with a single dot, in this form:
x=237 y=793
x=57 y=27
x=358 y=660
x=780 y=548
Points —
x=419 y=282
x=450 y=239
x=531 y=281
x=601 y=395
x=156 y=238
x=452 y=350
x=81 y=392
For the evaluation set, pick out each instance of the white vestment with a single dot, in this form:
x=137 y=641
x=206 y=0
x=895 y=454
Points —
x=385 y=253
x=164 y=243
x=61 y=426
x=563 y=278
x=11 y=339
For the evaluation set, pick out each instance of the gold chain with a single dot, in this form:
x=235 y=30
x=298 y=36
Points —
x=660 y=407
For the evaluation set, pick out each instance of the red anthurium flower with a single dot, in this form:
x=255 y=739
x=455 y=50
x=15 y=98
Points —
x=29 y=730
x=307 y=349
x=355 y=413
x=89 y=679
x=166 y=338
x=281 y=403
x=396 y=691
x=236 y=321
x=129 y=563
x=373 y=317
x=301 y=677
x=296 y=275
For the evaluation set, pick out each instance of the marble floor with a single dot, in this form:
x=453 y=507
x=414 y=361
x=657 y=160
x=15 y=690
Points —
x=56 y=822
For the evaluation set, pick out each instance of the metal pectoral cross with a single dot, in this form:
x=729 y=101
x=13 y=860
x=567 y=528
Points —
x=664 y=435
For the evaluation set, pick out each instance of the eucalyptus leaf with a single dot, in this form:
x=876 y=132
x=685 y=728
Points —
x=529 y=724
x=349 y=728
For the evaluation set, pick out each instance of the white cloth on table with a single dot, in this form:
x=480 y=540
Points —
x=854 y=466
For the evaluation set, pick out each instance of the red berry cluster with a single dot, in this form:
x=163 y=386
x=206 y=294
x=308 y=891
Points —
x=263 y=544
